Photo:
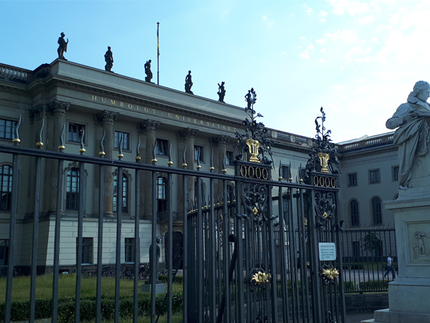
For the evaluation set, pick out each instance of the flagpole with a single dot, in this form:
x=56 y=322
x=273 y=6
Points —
x=158 y=53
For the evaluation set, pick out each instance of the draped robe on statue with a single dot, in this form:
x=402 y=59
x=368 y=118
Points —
x=412 y=137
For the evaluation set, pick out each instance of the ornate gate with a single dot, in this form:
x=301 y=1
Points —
x=270 y=253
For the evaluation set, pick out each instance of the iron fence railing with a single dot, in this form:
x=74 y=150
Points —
x=364 y=253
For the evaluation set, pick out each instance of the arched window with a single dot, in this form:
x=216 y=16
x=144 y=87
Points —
x=124 y=193
x=72 y=189
x=161 y=195
x=5 y=187
x=353 y=211
x=376 y=211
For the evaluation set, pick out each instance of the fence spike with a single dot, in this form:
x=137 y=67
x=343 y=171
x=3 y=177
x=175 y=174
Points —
x=170 y=162
x=102 y=151
x=39 y=144
x=61 y=147
x=16 y=140
x=184 y=157
x=154 y=159
x=138 y=158
x=82 y=150
x=120 y=155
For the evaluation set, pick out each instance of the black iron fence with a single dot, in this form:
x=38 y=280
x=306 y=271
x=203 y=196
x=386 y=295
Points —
x=365 y=252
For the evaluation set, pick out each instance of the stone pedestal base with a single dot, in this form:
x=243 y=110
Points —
x=160 y=288
x=409 y=294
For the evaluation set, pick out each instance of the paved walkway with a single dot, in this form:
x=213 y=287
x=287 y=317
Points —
x=358 y=317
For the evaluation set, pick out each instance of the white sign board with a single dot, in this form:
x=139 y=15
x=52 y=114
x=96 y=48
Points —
x=327 y=251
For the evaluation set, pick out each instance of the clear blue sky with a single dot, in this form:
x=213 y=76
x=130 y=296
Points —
x=358 y=59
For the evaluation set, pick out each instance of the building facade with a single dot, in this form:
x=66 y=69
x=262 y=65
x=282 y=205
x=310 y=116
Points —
x=64 y=106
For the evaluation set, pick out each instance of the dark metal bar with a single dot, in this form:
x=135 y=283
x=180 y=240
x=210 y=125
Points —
x=212 y=254
x=136 y=248
x=57 y=242
x=283 y=260
x=200 y=253
x=272 y=254
x=35 y=239
x=100 y=244
x=185 y=250
x=226 y=250
x=240 y=301
x=118 y=242
x=80 y=239
x=170 y=248
x=12 y=237
x=154 y=245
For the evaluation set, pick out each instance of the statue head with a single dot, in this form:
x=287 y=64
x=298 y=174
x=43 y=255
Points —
x=63 y=34
x=158 y=240
x=421 y=91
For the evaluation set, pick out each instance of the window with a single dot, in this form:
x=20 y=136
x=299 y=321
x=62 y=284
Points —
x=4 y=251
x=395 y=173
x=374 y=176
x=129 y=250
x=198 y=153
x=5 y=187
x=75 y=132
x=352 y=179
x=87 y=250
x=124 y=194
x=7 y=128
x=161 y=195
x=229 y=158
x=72 y=189
x=125 y=137
x=285 y=172
x=161 y=147
x=376 y=211
x=353 y=211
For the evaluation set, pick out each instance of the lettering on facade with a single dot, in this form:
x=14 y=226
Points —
x=135 y=107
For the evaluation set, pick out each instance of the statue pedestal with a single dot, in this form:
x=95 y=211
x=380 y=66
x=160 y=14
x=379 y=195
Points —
x=160 y=288
x=409 y=294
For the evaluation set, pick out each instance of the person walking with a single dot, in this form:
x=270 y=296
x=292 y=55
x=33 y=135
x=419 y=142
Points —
x=390 y=267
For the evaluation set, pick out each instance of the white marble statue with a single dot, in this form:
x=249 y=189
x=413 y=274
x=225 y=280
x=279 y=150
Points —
x=413 y=137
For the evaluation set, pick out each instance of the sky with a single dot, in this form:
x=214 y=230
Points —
x=357 y=59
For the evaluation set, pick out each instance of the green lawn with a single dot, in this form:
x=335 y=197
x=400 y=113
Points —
x=67 y=286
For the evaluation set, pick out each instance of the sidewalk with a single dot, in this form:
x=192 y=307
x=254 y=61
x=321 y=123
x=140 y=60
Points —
x=358 y=317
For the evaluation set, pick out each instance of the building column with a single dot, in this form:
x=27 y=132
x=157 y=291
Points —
x=107 y=119
x=219 y=146
x=56 y=112
x=149 y=128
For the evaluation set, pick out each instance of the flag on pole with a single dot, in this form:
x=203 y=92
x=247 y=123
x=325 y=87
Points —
x=158 y=39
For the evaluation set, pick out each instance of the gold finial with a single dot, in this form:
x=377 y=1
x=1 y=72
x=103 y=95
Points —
x=16 y=141
x=224 y=171
x=199 y=167
x=61 y=148
x=211 y=168
x=170 y=163
x=39 y=144
x=138 y=158
x=102 y=153
x=254 y=210
x=184 y=165
x=82 y=150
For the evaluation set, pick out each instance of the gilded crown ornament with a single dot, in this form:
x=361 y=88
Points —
x=255 y=140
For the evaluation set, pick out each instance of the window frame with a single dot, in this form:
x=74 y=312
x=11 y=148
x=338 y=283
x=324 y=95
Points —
x=125 y=195
x=354 y=217
x=4 y=133
x=201 y=151
x=129 y=250
x=229 y=158
x=354 y=182
x=164 y=151
x=71 y=135
x=376 y=171
x=72 y=197
x=87 y=250
x=376 y=209
x=8 y=189
x=125 y=143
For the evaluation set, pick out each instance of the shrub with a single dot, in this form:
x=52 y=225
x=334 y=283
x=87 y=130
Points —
x=374 y=285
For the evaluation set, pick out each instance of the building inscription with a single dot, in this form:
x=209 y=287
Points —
x=163 y=114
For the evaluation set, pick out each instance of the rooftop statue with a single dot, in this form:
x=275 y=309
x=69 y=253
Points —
x=62 y=46
x=109 y=60
x=412 y=120
x=221 y=92
x=148 y=72
x=188 y=83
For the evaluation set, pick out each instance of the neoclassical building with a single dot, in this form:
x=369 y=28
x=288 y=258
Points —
x=82 y=110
